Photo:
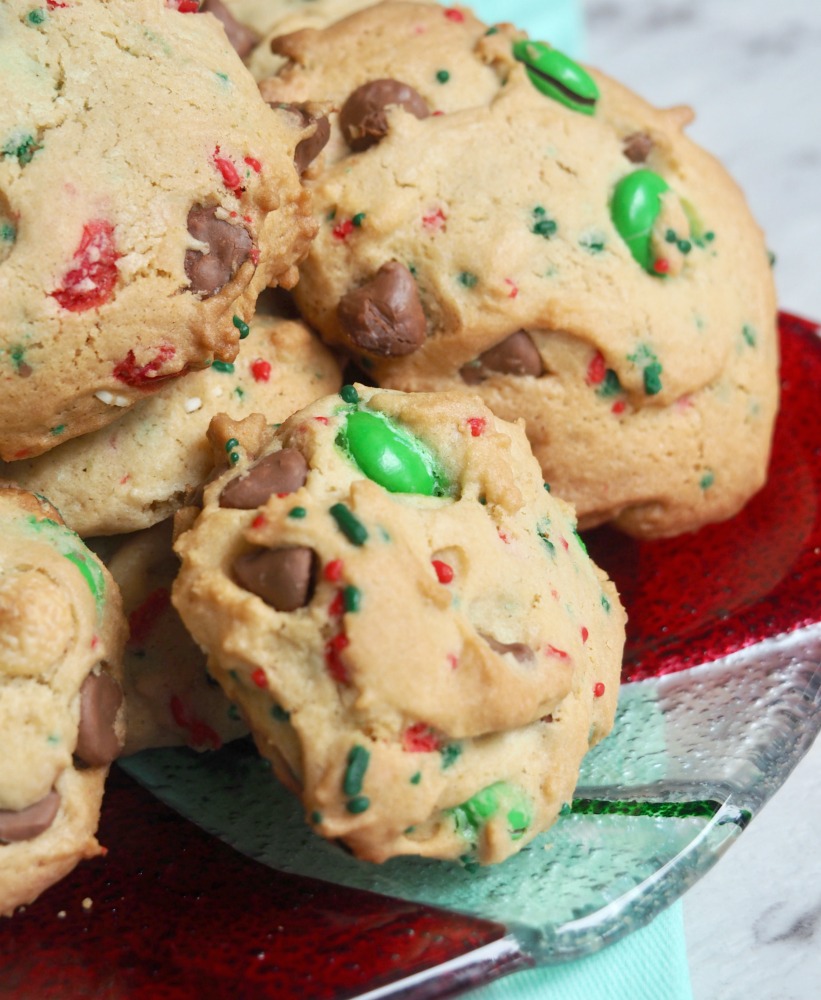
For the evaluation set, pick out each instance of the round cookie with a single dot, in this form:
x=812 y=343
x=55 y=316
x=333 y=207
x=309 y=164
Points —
x=514 y=224
x=61 y=638
x=170 y=699
x=147 y=196
x=407 y=619
x=138 y=471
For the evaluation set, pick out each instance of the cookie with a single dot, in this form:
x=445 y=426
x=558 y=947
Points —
x=139 y=470
x=170 y=699
x=61 y=709
x=408 y=621
x=497 y=218
x=147 y=196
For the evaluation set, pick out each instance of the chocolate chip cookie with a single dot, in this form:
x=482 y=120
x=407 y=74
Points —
x=407 y=619
x=147 y=195
x=61 y=707
x=498 y=218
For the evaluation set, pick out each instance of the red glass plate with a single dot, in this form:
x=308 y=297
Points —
x=724 y=631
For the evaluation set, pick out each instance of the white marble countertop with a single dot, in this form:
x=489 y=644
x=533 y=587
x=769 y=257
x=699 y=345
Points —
x=752 y=70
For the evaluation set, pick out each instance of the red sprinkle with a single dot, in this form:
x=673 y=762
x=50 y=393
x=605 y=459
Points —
x=514 y=288
x=200 y=732
x=261 y=370
x=598 y=690
x=565 y=544
x=258 y=677
x=597 y=369
x=259 y=521
x=253 y=253
x=453 y=660
x=555 y=651
x=477 y=425
x=230 y=174
x=142 y=618
x=661 y=266
x=618 y=407
x=95 y=641
x=333 y=570
x=337 y=606
x=322 y=420
x=91 y=280
x=188 y=6
x=454 y=15
x=51 y=4
x=143 y=376
x=420 y=738
x=336 y=668
x=434 y=220
x=585 y=634
x=342 y=230
x=444 y=572
x=505 y=538
x=255 y=165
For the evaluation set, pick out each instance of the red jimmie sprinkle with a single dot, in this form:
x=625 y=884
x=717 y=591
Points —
x=342 y=230
x=333 y=661
x=52 y=4
x=253 y=253
x=142 y=618
x=337 y=606
x=477 y=425
x=597 y=369
x=503 y=535
x=333 y=570
x=514 y=288
x=259 y=521
x=144 y=376
x=434 y=220
x=258 y=677
x=420 y=738
x=454 y=15
x=598 y=690
x=618 y=407
x=444 y=572
x=322 y=420
x=254 y=164
x=230 y=175
x=555 y=651
x=661 y=266
x=95 y=641
x=585 y=634
x=453 y=660
x=200 y=732
x=187 y=6
x=91 y=280
x=261 y=370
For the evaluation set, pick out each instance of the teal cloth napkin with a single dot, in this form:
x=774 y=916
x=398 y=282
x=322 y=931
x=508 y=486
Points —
x=651 y=962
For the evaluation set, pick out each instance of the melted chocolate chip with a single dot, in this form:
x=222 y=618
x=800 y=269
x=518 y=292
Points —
x=281 y=472
x=230 y=246
x=100 y=700
x=310 y=147
x=363 y=118
x=522 y=652
x=283 y=578
x=28 y=823
x=515 y=355
x=241 y=37
x=384 y=316
x=637 y=147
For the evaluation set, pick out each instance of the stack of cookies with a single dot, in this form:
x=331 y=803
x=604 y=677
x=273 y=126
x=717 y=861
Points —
x=523 y=273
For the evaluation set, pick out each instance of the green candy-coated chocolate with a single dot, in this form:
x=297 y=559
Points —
x=389 y=455
x=634 y=208
x=472 y=815
x=556 y=75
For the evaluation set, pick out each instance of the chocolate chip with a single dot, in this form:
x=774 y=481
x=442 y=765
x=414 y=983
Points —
x=363 y=118
x=520 y=651
x=515 y=355
x=637 y=147
x=229 y=247
x=281 y=472
x=283 y=578
x=241 y=37
x=100 y=700
x=28 y=823
x=384 y=316
x=309 y=148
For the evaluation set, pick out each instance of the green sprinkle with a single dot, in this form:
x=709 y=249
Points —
x=234 y=457
x=671 y=236
x=566 y=809
x=242 y=326
x=542 y=224
x=331 y=215
x=518 y=820
x=279 y=713
x=222 y=76
x=709 y=236
x=469 y=864
x=685 y=246
x=707 y=480
x=297 y=513
x=652 y=378
x=352 y=598
x=416 y=778
x=8 y=233
x=349 y=394
x=492 y=31
x=771 y=257
x=357 y=765
x=450 y=753
x=605 y=603
x=580 y=540
x=239 y=392
x=58 y=430
x=231 y=443
x=349 y=524
x=223 y=366
x=36 y=16
x=443 y=76
x=468 y=279
x=233 y=713
x=358 y=805
x=546 y=487
x=358 y=219
x=610 y=385
x=316 y=817
x=749 y=334
x=52 y=740
x=592 y=242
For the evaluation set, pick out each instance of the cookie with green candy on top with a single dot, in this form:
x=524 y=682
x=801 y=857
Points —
x=406 y=618
x=497 y=218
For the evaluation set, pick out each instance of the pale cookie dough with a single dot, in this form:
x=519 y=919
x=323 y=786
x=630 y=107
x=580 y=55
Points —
x=481 y=226
x=140 y=470
x=61 y=708
x=147 y=196
x=407 y=619
x=170 y=699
